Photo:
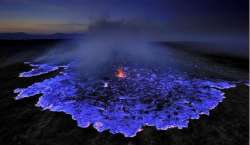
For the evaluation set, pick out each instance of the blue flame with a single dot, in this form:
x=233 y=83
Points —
x=144 y=98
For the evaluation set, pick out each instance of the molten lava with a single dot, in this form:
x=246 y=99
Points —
x=126 y=105
x=120 y=73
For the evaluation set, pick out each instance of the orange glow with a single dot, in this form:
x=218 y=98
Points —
x=47 y=27
x=120 y=73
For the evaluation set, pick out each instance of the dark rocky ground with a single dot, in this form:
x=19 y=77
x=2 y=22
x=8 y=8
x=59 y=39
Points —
x=21 y=123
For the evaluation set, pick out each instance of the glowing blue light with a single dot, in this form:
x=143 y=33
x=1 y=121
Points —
x=38 y=70
x=144 y=97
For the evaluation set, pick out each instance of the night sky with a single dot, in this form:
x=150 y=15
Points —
x=51 y=16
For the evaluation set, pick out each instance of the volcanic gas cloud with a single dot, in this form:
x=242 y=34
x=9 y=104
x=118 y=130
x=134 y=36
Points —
x=116 y=80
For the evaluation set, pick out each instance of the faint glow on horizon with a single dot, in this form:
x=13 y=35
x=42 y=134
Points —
x=41 y=27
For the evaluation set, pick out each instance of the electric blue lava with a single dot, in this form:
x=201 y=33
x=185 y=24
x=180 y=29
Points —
x=145 y=97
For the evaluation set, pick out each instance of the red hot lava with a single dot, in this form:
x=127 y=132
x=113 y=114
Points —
x=120 y=73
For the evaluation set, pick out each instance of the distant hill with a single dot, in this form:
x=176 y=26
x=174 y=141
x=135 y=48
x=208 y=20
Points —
x=26 y=36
